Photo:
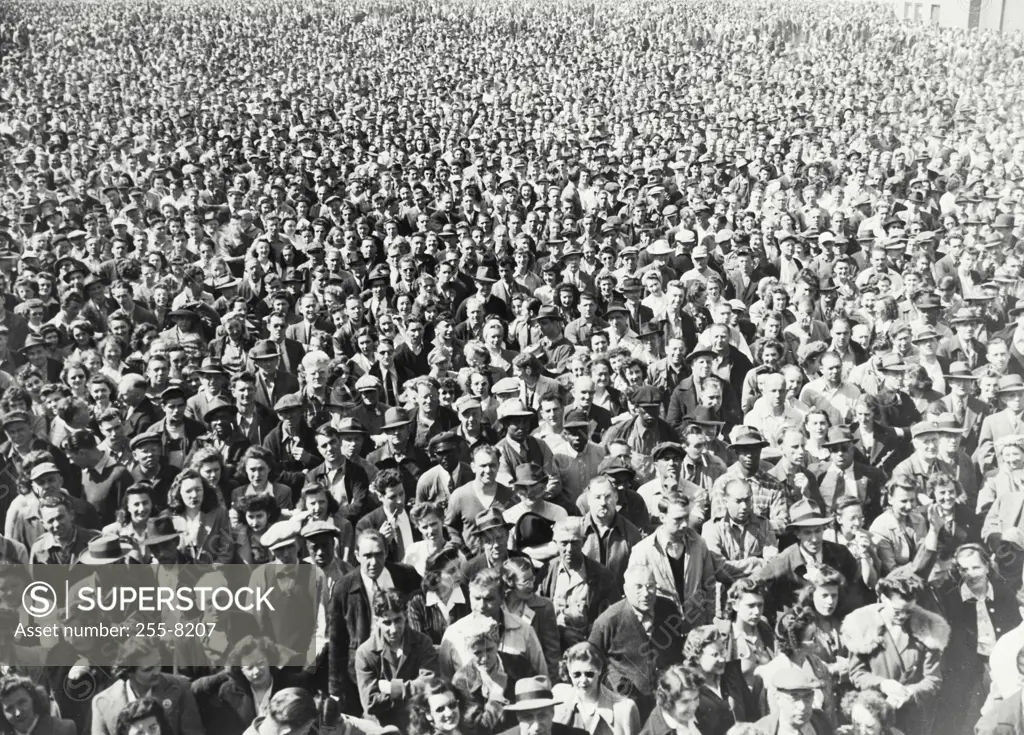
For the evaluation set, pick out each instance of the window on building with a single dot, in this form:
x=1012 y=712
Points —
x=906 y=10
x=919 y=12
x=935 y=15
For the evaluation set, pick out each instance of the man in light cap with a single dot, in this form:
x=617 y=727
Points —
x=580 y=588
x=795 y=713
x=473 y=429
x=23 y=522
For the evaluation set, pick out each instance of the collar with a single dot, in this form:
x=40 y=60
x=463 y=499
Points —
x=966 y=594
x=433 y=599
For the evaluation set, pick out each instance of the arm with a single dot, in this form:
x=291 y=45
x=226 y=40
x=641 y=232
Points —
x=360 y=492
x=931 y=679
x=99 y=724
x=376 y=694
x=778 y=514
x=337 y=647
x=453 y=522
x=534 y=652
x=190 y=723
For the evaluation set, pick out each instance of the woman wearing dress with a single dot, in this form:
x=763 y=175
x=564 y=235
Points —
x=205 y=529
x=585 y=704
x=821 y=596
x=443 y=596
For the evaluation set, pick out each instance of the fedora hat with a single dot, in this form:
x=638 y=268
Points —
x=747 y=437
x=105 y=550
x=212 y=366
x=488 y=520
x=965 y=315
x=486 y=274
x=532 y=693
x=805 y=514
x=547 y=312
x=533 y=529
x=1010 y=384
x=959 y=370
x=394 y=418
x=264 y=350
x=705 y=416
x=160 y=528
x=837 y=436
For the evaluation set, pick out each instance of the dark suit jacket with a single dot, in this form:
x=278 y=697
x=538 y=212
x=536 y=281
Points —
x=888 y=450
x=349 y=622
x=819 y=722
x=226 y=700
x=374 y=520
x=445 y=420
x=952 y=350
x=182 y=714
x=145 y=415
x=603 y=588
x=372 y=667
x=634 y=660
x=683 y=403
x=557 y=728
x=784 y=578
x=357 y=486
x=285 y=383
x=873 y=481
x=410 y=365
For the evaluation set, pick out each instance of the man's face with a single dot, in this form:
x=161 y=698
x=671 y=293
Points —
x=737 y=502
x=174 y=410
x=810 y=539
x=795 y=708
x=392 y=627
x=58 y=521
x=485 y=600
x=536 y=721
x=371 y=555
x=640 y=590
x=485 y=467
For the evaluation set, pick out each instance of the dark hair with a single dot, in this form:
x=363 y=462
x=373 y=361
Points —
x=436 y=564
x=387 y=602
x=791 y=626
x=255 y=504
x=675 y=680
x=744 y=586
x=420 y=721
x=78 y=440
x=423 y=510
x=11 y=683
x=174 y=502
x=900 y=583
x=873 y=701
x=138 y=710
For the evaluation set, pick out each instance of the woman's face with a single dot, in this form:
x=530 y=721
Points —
x=140 y=507
x=18 y=709
x=852 y=519
x=210 y=471
x=145 y=726
x=825 y=599
x=712 y=658
x=76 y=380
x=584 y=676
x=192 y=493
x=945 y=496
x=99 y=393
x=430 y=528
x=864 y=721
x=257 y=471
x=444 y=712
x=256 y=673
x=1013 y=457
x=817 y=426
x=749 y=609
x=684 y=708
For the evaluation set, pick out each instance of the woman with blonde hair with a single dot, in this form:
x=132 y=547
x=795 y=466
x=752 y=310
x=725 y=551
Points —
x=585 y=704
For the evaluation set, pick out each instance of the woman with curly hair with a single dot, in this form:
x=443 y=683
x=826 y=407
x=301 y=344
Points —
x=796 y=634
x=436 y=710
x=821 y=596
x=585 y=704
x=210 y=463
x=443 y=596
x=678 y=698
x=258 y=466
x=25 y=709
x=251 y=516
x=896 y=647
x=748 y=635
x=203 y=522
x=869 y=713
x=725 y=697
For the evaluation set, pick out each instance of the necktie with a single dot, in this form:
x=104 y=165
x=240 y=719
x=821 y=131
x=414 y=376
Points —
x=451 y=485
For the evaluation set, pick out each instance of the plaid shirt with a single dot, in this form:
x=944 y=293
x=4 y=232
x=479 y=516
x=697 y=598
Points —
x=769 y=497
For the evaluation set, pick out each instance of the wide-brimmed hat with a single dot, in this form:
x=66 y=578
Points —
x=264 y=350
x=705 y=416
x=965 y=315
x=960 y=370
x=513 y=409
x=1010 y=384
x=489 y=519
x=837 y=436
x=805 y=514
x=532 y=693
x=486 y=274
x=105 y=550
x=747 y=437
x=701 y=352
x=547 y=312
x=395 y=417
x=160 y=528
x=212 y=366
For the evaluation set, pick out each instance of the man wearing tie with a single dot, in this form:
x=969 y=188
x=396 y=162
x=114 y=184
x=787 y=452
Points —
x=968 y=410
x=384 y=370
x=1010 y=390
x=842 y=475
x=391 y=518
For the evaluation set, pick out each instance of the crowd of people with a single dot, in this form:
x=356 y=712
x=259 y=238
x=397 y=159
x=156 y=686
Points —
x=629 y=368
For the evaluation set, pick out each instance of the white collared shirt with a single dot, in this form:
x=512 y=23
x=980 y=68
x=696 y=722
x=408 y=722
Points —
x=432 y=599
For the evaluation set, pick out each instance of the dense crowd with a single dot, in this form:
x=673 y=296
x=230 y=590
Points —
x=629 y=368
